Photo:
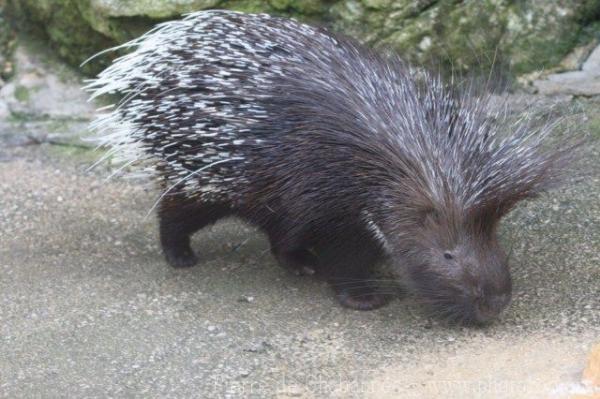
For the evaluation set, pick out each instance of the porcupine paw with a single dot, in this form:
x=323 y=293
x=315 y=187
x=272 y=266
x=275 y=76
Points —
x=180 y=257
x=359 y=296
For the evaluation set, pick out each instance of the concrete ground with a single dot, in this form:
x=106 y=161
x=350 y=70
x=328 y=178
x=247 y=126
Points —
x=88 y=307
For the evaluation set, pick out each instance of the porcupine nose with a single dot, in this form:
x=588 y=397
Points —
x=488 y=309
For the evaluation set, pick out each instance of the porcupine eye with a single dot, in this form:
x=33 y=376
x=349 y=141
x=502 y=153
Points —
x=448 y=255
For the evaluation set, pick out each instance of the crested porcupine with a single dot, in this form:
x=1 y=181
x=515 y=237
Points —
x=344 y=156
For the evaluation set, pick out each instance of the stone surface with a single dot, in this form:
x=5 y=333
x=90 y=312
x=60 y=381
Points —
x=7 y=44
x=37 y=91
x=148 y=8
x=43 y=101
x=585 y=82
x=519 y=36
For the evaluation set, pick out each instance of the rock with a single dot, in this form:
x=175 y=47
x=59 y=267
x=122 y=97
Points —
x=37 y=91
x=43 y=102
x=540 y=33
x=261 y=347
x=592 y=64
x=7 y=45
x=522 y=36
x=149 y=8
x=4 y=110
x=591 y=374
x=299 y=7
x=585 y=82
x=576 y=58
x=246 y=299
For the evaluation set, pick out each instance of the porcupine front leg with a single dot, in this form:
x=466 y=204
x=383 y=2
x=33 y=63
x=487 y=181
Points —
x=179 y=218
x=291 y=247
x=349 y=259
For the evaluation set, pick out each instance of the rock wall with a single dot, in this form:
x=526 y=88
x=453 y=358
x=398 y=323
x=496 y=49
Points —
x=520 y=35
x=7 y=45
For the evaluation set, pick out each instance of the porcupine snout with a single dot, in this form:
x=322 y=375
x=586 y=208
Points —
x=487 y=293
x=487 y=306
x=468 y=283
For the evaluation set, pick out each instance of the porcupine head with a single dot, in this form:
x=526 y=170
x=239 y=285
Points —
x=439 y=219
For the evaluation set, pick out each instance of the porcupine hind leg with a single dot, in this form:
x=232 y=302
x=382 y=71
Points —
x=349 y=260
x=179 y=218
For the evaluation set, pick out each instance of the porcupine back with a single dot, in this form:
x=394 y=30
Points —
x=214 y=100
x=194 y=90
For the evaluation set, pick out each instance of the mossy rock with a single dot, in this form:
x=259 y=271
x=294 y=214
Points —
x=61 y=21
x=521 y=36
x=7 y=44
x=540 y=34
x=148 y=8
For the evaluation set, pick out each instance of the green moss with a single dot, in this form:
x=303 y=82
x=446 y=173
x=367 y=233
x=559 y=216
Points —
x=249 y=6
x=377 y=4
x=473 y=34
x=61 y=21
x=594 y=127
x=302 y=7
x=348 y=16
x=539 y=38
x=85 y=155
x=7 y=44
x=592 y=111
x=589 y=11
x=76 y=40
x=457 y=36
x=155 y=9
x=589 y=33
x=22 y=94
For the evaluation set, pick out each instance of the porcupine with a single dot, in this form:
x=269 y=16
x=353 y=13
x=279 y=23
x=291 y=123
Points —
x=344 y=156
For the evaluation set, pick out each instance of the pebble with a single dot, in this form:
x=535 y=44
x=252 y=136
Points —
x=244 y=373
x=247 y=299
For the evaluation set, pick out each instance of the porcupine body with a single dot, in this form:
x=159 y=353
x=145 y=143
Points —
x=342 y=155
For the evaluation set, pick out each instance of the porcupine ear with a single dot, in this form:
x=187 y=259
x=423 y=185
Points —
x=535 y=158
